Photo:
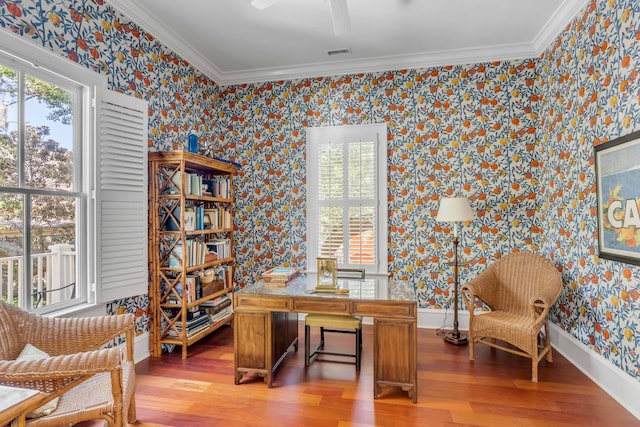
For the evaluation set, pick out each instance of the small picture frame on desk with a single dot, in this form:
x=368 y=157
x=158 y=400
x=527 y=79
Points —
x=327 y=273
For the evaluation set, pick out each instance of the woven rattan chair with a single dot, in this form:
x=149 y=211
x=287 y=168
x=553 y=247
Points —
x=91 y=382
x=519 y=289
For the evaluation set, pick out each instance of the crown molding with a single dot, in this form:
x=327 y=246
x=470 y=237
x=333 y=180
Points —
x=550 y=31
x=166 y=36
x=556 y=24
x=381 y=64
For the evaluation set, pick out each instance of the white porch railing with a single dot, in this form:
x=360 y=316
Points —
x=52 y=274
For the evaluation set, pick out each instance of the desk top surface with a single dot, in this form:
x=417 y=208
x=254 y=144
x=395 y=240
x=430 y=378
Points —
x=378 y=289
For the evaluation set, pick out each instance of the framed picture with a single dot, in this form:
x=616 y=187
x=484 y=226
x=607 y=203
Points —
x=618 y=191
x=189 y=221
x=327 y=272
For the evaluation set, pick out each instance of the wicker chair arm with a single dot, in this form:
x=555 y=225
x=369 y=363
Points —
x=81 y=334
x=42 y=373
x=483 y=287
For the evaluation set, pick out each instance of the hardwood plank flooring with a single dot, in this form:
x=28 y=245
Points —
x=493 y=391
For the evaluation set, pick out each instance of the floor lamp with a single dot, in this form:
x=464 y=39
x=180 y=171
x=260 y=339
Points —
x=455 y=209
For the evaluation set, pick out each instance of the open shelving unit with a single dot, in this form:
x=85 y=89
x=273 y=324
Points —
x=190 y=247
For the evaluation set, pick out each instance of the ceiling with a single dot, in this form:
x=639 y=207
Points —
x=233 y=42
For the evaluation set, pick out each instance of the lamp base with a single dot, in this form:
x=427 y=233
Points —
x=456 y=338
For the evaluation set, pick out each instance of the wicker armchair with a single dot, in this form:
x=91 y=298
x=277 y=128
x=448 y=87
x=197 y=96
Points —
x=519 y=289
x=91 y=382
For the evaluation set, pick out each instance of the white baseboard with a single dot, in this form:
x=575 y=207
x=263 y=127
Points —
x=620 y=386
x=617 y=384
x=141 y=347
x=436 y=319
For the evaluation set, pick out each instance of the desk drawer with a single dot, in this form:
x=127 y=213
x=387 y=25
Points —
x=320 y=305
x=260 y=302
x=384 y=309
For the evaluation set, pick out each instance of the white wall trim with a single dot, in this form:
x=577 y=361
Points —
x=605 y=374
x=141 y=347
x=430 y=318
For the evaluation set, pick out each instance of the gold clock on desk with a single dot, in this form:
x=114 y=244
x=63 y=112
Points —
x=327 y=272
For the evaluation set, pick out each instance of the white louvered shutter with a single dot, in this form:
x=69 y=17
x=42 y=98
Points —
x=347 y=201
x=121 y=198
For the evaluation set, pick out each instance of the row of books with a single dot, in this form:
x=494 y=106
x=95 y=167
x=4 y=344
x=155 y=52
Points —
x=196 y=253
x=225 y=312
x=200 y=218
x=220 y=247
x=200 y=284
x=192 y=291
x=199 y=321
x=203 y=316
x=193 y=182
x=216 y=305
x=218 y=217
x=219 y=186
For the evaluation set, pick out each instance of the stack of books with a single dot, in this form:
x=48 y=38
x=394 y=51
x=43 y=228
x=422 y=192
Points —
x=218 y=308
x=198 y=322
x=279 y=277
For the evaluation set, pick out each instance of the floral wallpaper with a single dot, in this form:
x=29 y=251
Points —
x=590 y=91
x=467 y=130
x=515 y=137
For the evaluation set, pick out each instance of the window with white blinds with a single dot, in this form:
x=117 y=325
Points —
x=347 y=192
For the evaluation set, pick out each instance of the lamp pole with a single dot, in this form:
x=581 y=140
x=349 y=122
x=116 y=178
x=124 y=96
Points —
x=455 y=337
x=455 y=210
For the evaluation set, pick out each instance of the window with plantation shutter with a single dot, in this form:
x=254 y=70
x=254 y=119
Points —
x=346 y=197
x=73 y=194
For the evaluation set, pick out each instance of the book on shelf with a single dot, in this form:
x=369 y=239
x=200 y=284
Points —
x=195 y=218
x=218 y=186
x=195 y=253
x=216 y=305
x=219 y=217
x=193 y=183
x=193 y=287
x=222 y=314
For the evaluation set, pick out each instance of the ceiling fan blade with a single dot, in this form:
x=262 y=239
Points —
x=263 y=4
x=340 y=17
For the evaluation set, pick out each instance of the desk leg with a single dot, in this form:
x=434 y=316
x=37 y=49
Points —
x=395 y=355
x=252 y=344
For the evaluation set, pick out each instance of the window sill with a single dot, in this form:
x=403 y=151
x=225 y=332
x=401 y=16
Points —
x=78 y=310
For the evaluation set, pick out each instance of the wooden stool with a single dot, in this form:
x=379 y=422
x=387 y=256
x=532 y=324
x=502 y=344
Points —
x=332 y=323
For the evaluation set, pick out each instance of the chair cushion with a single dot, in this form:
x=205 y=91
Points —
x=90 y=398
x=30 y=353
x=333 y=321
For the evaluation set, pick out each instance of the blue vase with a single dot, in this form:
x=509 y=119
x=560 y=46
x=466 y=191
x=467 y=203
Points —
x=193 y=143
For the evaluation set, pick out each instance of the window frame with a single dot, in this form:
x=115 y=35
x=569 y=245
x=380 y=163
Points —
x=97 y=280
x=315 y=136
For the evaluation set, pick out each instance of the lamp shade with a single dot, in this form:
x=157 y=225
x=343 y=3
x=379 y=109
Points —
x=455 y=209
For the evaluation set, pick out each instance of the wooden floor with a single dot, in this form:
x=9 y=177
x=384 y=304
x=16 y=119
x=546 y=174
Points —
x=492 y=391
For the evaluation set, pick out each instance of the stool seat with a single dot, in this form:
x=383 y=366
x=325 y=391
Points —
x=333 y=321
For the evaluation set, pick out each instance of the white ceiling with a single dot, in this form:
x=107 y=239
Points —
x=232 y=42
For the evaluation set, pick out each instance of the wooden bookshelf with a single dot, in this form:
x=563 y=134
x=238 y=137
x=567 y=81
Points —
x=182 y=186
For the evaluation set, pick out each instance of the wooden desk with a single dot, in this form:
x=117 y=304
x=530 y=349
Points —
x=260 y=312
x=16 y=403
